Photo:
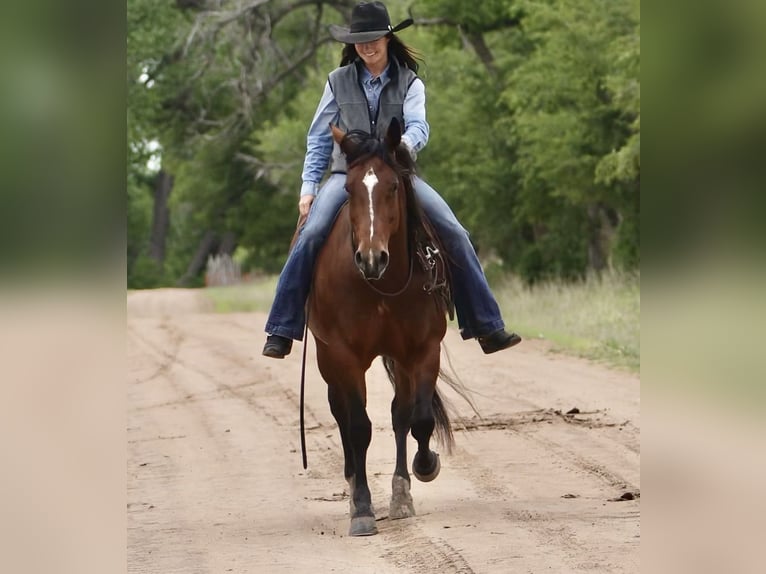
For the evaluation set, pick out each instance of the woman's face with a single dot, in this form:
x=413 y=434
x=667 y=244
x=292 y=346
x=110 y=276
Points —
x=374 y=54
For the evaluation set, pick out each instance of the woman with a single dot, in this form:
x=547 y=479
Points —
x=375 y=82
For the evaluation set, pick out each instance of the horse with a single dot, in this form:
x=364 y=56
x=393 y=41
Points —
x=370 y=298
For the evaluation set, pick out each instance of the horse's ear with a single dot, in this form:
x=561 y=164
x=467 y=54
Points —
x=394 y=134
x=337 y=133
x=347 y=146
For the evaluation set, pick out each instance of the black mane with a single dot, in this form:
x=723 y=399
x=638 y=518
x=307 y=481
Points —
x=365 y=145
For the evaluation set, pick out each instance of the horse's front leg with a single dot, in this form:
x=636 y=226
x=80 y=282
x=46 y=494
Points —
x=348 y=399
x=401 y=415
x=339 y=410
x=425 y=464
x=360 y=434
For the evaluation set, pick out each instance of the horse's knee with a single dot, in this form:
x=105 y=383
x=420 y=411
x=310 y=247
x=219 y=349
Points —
x=360 y=428
x=401 y=414
x=361 y=433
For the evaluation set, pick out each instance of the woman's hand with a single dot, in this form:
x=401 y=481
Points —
x=304 y=205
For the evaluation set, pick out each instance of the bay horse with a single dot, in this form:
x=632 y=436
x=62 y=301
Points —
x=368 y=300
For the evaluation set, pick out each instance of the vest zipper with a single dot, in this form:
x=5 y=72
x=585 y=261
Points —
x=373 y=121
x=369 y=112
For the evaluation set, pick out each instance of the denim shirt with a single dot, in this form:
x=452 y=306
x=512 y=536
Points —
x=319 y=140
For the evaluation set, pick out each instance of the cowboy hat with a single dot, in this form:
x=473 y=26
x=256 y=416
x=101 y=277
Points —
x=369 y=22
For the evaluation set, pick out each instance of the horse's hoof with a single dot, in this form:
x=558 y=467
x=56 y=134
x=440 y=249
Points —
x=363 y=526
x=429 y=474
x=399 y=510
x=401 y=501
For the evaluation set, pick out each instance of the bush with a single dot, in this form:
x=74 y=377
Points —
x=145 y=273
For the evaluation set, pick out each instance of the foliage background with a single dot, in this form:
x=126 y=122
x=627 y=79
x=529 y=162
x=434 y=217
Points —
x=534 y=107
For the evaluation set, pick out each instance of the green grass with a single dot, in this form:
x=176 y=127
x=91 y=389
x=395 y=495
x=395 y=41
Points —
x=598 y=318
x=247 y=297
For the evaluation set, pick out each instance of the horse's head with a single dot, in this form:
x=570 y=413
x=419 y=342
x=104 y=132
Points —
x=376 y=191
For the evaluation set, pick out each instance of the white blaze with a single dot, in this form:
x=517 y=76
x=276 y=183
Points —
x=370 y=179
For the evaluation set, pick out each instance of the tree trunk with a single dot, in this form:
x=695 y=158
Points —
x=601 y=232
x=207 y=245
x=210 y=244
x=163 y=185
x=476 y=40
x=228 y=243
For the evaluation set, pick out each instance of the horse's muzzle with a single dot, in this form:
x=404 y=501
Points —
x=372 y=264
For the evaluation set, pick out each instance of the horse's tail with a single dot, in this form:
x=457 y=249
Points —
x=440 y=405
x=443 y=426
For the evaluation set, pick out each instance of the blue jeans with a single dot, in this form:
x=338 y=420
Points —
x=477 y=311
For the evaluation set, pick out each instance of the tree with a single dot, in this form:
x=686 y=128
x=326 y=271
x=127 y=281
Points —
x=566 y=120
x=203 y=79
x=534 y=108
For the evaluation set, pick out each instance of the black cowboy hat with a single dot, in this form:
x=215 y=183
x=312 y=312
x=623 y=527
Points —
x=369 y=21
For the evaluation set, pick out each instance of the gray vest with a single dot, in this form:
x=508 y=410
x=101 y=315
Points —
x=347 y=89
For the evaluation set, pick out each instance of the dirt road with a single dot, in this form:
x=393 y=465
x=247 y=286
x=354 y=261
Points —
x=216 y=485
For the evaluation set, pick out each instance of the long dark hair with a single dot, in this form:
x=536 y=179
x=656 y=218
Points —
x=405 y=55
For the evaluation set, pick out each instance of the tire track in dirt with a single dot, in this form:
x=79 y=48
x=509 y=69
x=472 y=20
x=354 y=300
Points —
x=416 y=550
x=172 y=358
x=238 y=501
x=223 y=351
x=165 y=359
x=418 y=553
x=169 y=361
x=609 y=477
x=163 y=481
